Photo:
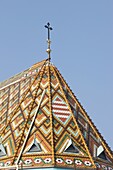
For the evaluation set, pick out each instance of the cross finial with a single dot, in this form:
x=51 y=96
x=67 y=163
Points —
x=49 y=28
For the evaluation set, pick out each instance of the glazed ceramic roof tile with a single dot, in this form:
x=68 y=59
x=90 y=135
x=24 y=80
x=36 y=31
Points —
x=38 y=105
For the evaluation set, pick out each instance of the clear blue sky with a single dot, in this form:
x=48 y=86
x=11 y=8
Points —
x=82 y=48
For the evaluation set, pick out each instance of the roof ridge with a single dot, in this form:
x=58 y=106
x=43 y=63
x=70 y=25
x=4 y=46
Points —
x=97 y=131
x=17 y=77
x=21 y=101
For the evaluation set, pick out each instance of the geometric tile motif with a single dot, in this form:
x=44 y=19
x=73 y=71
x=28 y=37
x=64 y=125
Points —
x=41 y=128
x=63 y=120
x=63 y=138
x=60 y=110
x=73 y=162
x=63 y=125
x=10 y=97
x=103 y=166
x=9 y=145
x=40 y=161
x=89 y=133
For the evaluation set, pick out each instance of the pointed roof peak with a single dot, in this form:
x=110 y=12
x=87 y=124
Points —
x=42 y=113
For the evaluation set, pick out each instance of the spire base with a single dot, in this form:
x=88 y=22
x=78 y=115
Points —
x=48 y=49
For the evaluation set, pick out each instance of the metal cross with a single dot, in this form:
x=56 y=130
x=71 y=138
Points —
x=49 y=28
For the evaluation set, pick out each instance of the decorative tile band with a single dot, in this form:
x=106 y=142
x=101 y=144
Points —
x=37 y=161
x=103 y=166
x=48 y=160
x=77 y=162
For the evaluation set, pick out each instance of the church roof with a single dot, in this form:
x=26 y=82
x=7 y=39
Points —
x=42 y=124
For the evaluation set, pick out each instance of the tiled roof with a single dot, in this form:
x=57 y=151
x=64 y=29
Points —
x=20 y=76
x=44 y=125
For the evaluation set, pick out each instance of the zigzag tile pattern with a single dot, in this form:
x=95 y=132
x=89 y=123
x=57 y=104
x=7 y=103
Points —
x=10 y=97
x=63 y=120
x=89 y=131
x=59 y=119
